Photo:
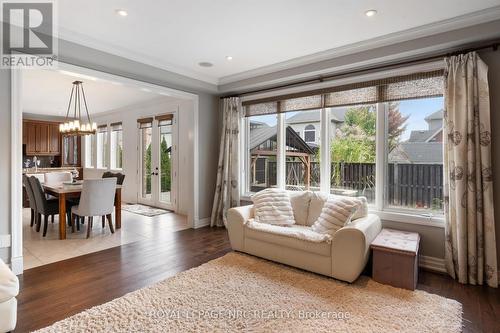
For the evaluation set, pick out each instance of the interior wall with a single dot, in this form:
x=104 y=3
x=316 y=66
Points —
x=5 y=162
x=79 y=55
x=128 y=116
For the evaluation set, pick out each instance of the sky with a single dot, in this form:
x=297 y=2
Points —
x=417 y=109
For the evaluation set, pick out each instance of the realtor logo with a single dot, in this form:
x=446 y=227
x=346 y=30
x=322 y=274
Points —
x=27 y=34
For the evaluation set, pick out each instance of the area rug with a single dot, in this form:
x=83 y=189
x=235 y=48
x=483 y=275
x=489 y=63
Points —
x=144 y=210
x=238 y=292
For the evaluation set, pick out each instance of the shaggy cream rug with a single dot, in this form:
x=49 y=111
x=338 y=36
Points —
x=243 y=293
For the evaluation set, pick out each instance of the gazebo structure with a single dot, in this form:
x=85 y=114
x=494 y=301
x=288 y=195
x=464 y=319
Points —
x=263 y=150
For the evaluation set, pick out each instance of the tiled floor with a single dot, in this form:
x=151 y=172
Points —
x=40 y=250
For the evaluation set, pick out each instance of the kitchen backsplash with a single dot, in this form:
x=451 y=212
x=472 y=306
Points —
x=45 y=161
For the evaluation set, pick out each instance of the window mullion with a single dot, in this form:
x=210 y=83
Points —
x=380 y=155
x=281 y=151
x=325 y=164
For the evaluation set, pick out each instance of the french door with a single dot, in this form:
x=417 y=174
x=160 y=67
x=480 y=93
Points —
x=158 y=161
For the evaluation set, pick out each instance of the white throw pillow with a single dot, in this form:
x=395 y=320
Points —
x=336 y=213
x=300 y=201
x=273 y=206
x=362 y=211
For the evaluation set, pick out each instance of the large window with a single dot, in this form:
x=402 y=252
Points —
x=352 y=150
x=89 y=150
x=381 y=139
x=262 y=146
x=414 y=140
x=102 y=147
x=116 y=146
x=302 y=153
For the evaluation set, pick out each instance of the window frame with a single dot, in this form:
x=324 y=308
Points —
x=313 y=130
x=112 y=150
x=393 y=214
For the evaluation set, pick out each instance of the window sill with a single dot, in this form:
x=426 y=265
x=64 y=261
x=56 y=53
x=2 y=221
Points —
x=409 y=218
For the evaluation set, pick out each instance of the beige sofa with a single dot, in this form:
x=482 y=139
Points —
x=9 y=288
x=343 y=256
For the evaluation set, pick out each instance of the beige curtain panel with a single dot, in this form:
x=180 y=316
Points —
x=470 y=251
x=227 y=191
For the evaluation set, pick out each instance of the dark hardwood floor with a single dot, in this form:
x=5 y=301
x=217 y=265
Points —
x=53 y=292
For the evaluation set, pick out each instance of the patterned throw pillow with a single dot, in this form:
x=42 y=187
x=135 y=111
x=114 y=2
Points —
x=336 y=213
x=273 y=206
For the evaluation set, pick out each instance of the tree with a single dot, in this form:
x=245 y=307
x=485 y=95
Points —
x=396 y=125
x=165 y=166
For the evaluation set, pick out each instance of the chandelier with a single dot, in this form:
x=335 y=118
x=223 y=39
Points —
x=73 y=124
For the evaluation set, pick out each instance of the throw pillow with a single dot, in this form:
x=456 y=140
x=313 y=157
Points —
x=336 y=213
x=300 y=204
x=273 y=206
x=318 y=200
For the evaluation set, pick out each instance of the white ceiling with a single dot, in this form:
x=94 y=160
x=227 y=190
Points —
x=178 y=34
x=47 y=93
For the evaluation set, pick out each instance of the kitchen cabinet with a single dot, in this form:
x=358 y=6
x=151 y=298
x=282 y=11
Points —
x=41 y=138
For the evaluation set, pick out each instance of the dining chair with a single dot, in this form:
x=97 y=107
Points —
x=97 y=199
x=120 y=178
x=31 y=199
x=58 y=177
x=44 y=206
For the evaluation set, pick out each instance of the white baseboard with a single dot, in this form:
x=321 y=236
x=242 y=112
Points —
x=432 y=264
x=16 y=265
x=200 y=223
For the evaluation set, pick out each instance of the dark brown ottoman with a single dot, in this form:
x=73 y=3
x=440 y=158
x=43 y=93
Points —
x=395 y=258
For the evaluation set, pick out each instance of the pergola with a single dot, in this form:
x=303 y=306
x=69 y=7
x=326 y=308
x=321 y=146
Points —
x=264 y=139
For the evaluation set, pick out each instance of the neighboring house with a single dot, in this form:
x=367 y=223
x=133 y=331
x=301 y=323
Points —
x=307 y=124
x=423 y=146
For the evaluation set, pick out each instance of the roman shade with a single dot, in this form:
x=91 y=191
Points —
x=145 y=122
x=102 y=128
x=412 y=86
x=116 y=126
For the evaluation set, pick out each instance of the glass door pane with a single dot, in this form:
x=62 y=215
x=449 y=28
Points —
x=146 y=135
x=165 y=144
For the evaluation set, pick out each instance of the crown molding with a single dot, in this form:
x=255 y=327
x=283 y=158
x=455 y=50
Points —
x=84 y=40
x=463 y=21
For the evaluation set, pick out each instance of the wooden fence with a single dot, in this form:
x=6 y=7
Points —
x=409 y=185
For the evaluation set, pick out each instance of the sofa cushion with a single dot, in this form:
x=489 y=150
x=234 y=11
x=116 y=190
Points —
x=336 y=213
x=273 y=206
x=9 y=284
x=300 y=201
x=295 y=231
x=286 y=240
x=318 y=200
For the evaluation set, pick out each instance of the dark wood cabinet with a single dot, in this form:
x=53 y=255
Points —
x=41 y=137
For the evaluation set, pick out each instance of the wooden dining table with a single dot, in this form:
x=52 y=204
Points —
x=64 y=192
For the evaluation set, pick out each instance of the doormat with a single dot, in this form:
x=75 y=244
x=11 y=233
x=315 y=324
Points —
x=144 y=210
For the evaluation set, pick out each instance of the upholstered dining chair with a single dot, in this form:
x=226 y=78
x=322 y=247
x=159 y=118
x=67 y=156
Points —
x=31 y=198
x=58 y=177
x=120 y=178
x=97 y=199
x=44 y=206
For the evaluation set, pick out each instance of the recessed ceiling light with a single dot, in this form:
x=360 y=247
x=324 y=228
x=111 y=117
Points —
x=370 y=12
x=145 y=90
x=121 y=12
x=229 y=58
x=205 y=64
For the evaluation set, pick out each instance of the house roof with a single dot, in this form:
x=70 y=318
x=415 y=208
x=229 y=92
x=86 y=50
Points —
x=423 y=135
x=417 y=152
x=312 y=116
x=435 y=115
x=260 y=135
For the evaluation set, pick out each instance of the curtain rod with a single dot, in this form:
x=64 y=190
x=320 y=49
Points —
x=321 y=78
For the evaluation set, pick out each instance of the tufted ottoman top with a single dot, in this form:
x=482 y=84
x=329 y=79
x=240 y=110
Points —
x=404 y=241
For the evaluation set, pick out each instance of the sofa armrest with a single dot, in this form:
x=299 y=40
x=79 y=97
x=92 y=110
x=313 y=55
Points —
x=9 y=284
x=351 y=247
x=236 y=219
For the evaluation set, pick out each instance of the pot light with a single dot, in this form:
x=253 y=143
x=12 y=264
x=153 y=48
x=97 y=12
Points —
x=205 y=64
x=121 y=12
x=370 y=12
x=229 y=58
